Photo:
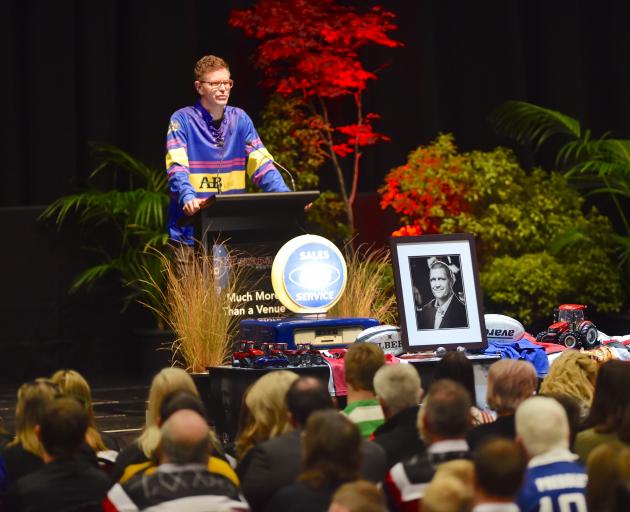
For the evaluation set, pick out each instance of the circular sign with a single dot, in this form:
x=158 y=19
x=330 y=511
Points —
x=309 y=274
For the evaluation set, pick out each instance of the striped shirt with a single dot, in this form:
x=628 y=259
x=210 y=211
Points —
x=203 y=160
x=367 y=414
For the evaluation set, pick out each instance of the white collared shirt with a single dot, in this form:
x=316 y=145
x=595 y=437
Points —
x=440 y=311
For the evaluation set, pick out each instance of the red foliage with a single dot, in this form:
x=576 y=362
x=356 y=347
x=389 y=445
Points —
x=408 y=230
x=361 y=134
x=309 y=47
x=425 y=190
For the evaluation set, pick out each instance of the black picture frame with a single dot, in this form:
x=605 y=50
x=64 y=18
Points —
x=450 y=259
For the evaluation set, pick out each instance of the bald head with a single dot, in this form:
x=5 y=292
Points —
x=185 y=438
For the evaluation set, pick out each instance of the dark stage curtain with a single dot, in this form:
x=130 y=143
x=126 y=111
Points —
x=114 y=70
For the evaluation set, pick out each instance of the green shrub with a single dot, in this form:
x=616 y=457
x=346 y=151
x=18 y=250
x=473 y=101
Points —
x=536 y=247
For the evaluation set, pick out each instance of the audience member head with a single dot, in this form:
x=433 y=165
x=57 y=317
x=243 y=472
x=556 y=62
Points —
x=510 y=382
x=330 y=449
x=185 y=439
x=359 y=496
x=573 y=410
x=573 y=373
x=542 y=425
x=499 y=470
x=71 y=383
x=608 y=468
x=63 y=427
x=167 y=381
x=610 y=411
x=461 y=469
x=305 y=396
x=267 y=410
x=445 y=412
x=456 y=366
x=397 y=387
x=32 y=399
x=448 y=491
x=179 y=400
x=362 y=361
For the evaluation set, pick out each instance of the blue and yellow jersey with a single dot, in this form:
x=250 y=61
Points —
x=202 y=160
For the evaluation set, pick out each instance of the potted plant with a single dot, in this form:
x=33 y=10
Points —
x=134 y=206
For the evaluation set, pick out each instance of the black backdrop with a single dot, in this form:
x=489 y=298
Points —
x=114 y=70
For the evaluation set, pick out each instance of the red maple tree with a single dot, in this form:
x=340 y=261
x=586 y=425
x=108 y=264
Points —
x=310 y=48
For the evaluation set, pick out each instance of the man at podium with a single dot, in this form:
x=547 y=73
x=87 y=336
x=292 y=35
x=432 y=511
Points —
x=210 y=146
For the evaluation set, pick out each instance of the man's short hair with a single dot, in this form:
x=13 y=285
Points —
x=444 y=266
x=185 y=438
x=446 y=409
x=398 y=385
x=509 y=383
x=542 y=425
x=179 y=400
x=63 y=427
x=305 y=396
x=209 y=63
x=360 y=496
x=499 y=468
x=362 y=361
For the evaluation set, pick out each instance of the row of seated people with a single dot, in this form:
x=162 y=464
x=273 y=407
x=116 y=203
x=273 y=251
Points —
x=295 y=451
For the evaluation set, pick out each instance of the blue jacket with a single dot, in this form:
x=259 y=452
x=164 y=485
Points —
x=202 y=160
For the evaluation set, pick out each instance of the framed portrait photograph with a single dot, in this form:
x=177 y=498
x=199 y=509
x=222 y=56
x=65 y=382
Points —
x=438 y=293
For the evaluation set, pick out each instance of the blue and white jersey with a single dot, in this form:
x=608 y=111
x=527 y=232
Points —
x=554 y=482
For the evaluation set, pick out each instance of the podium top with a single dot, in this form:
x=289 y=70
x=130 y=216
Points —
x=256 y=204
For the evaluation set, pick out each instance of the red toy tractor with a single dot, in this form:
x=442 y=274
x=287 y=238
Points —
x=245 y=353
x=569 y=328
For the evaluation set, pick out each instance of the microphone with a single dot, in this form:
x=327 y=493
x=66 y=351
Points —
x=251 y=145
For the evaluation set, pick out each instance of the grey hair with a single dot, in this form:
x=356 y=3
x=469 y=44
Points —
x=542 y=425
x=398 y=385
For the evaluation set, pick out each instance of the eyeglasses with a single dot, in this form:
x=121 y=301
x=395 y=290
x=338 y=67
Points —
x=227 y=84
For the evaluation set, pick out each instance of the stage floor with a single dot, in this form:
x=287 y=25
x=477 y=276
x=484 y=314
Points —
x=119 y=408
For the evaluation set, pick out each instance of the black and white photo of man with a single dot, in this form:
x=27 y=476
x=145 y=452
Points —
x=446 y=309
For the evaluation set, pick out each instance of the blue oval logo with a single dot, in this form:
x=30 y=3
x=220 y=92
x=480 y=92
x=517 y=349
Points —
x=315 y=276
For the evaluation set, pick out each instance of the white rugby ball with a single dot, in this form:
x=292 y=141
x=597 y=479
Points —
x=503 y=328
x=385 y=336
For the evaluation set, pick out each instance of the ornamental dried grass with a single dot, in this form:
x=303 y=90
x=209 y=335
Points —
x=369 y=289
x=196 y=308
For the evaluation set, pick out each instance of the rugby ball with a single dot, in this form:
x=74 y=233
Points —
x=385 y=336
x=503 y=328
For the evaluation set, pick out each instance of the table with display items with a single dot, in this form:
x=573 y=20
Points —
x=225 y=387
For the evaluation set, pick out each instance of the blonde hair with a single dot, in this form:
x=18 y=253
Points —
x=509 y=383
x=71 y=383
x=167 y=381
x=360 y=496
x=451 y=489
x=267 y=410
x=573 y=373
x=32 y=399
